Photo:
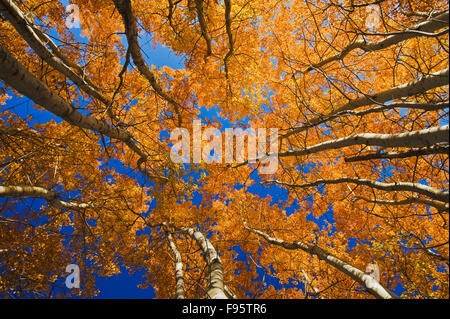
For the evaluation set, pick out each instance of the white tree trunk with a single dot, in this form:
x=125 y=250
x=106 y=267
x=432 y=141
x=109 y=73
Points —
x=215 y=280
x=179 y=279
x=19 y=78
x=421 y=138
x=129 y=20
x=372 y=286
x=37 y=40
x=39 y=192
x=431 y=192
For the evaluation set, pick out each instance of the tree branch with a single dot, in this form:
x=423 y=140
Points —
x=372 y=286
x=229 y=34
x=414 y=200
x=39 y=192
x=421 y=138
x=215 y=280
x=203 y=27
x=410 y=105
x=129 y=20
x=179 y=292
x=19 y=78
x=431 y=192
x=37 y=40
x=405 y=154
x=424 y=27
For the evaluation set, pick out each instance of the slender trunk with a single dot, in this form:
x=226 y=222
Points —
x=39 y=192
x=203 y=27
x=310 y=284
x=38 y=40
x=408 y=201
x=395 y=155
x=422 y=85
x=378 y=109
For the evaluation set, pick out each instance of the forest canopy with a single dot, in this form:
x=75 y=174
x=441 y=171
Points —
x=348 y=99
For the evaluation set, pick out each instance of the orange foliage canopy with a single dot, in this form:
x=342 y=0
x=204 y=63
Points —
x=359 y=93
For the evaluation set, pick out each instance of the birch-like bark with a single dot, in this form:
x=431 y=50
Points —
x=230 y=52
x=378 y=109
x=421 y=138
x=428 y=191
x=230 y=292
x=23 y=81
x=419 y=30
x=310 y=284
x=422 y=85
x=215 y=281
x=129 y=21
x=39 y=192
x=203 y=26
x=415 y=200
x=402 y=154
x=38 y=40
x=179 y=279
x=372 y=286
x=431 y=106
